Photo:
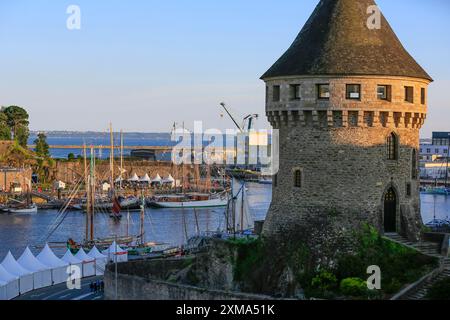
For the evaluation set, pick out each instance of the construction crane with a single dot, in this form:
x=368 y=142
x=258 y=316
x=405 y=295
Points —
x=249 y=118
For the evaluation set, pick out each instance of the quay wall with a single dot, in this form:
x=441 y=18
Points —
x=141 y=280
x=71 y=171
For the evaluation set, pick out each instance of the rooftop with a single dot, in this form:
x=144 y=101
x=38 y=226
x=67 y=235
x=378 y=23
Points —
x=337 y=41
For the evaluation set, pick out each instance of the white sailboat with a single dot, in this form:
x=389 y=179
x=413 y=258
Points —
x=31 y=209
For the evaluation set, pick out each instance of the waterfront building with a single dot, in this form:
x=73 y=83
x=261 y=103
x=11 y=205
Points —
x=348 y=101
x=437 y=148
x=15 y=179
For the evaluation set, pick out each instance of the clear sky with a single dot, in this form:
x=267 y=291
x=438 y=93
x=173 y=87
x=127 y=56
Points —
x=145 y=64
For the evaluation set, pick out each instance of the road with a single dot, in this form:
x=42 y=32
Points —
x=60 y=292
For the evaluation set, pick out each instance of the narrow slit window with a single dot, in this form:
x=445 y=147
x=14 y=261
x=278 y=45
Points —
x=422 y=95
x=392 y=147
x=409 y=94
x=276 y=93
x=295 y=92
x=298 y=178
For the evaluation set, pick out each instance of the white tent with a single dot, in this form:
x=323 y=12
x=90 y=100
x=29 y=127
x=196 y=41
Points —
x=88 y=263
x=42 y=275
x=145 y=179
x=169 y=180
x=116 y=253
x=58 y=267
x=12 y=284
x=2 y=290
x=25 y=276
x=119 y=179
x=134 y=178
x=73 y=261
x=100 y=261
x=157 y=179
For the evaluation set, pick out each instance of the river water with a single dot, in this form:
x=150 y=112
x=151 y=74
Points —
x=161 y=225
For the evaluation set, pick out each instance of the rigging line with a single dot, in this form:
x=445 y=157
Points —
x=61 y=213
x=152 y=227
x=57 y=226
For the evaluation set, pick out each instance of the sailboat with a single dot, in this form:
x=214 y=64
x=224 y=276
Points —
x=189 y=200
x=22 y=208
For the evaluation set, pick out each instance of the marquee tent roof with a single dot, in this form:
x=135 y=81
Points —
x=145 y=178
x=5 y=276
x=12 y=266
x=47 y=257
x=81 y=255
x=30 y=262
x=94 y=253
x=134 y=178
x=112 y=249
x=157 y=178
x=169 y=179
x=69 y=258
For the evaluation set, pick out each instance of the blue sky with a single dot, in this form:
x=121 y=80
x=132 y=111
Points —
x=145 y=64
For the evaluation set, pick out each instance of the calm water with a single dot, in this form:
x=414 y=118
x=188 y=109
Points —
x=161 y=225
x=101 y=139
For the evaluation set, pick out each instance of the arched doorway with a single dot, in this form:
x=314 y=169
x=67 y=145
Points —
x=390 y=211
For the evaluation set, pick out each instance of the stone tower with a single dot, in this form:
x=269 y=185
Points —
x=348 y=101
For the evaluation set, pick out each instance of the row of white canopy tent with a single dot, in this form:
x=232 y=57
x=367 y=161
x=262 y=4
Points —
x=31 y=272
x=147 y=179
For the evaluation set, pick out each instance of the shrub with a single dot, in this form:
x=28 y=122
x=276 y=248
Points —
x=354 y=287
x=324 y=281
x=440 y=290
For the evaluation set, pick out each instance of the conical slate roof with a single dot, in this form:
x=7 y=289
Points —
x=337 y=41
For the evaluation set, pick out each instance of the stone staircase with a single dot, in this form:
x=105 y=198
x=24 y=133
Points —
x=430 y=249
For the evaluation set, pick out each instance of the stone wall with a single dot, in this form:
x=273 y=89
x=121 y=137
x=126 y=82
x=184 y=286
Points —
x=141 y=280
x=9 y=176
x=70 y=171
x=339 y=145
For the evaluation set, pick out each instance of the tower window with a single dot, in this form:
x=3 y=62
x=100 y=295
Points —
x=408 y=189
x=276 y=93
x=267 y=93
x=409 y=94
x=297 y=178
x=353 y=91
x=392 y=147
x=323 y=91
x=422 y=95
x=384 y=92
x=295 y=93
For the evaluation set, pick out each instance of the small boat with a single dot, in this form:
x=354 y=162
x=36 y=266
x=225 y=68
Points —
x=436 y=190
x=188 y=201
x=32 y=209
x=130 y=204
x=265 y=181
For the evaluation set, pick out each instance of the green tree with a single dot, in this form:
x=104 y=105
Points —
x=5 y=131
x=17 y=120
x=42 y=148
x=70 y=156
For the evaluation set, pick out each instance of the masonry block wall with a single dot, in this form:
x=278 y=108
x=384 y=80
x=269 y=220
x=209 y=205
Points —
x=340 y=147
